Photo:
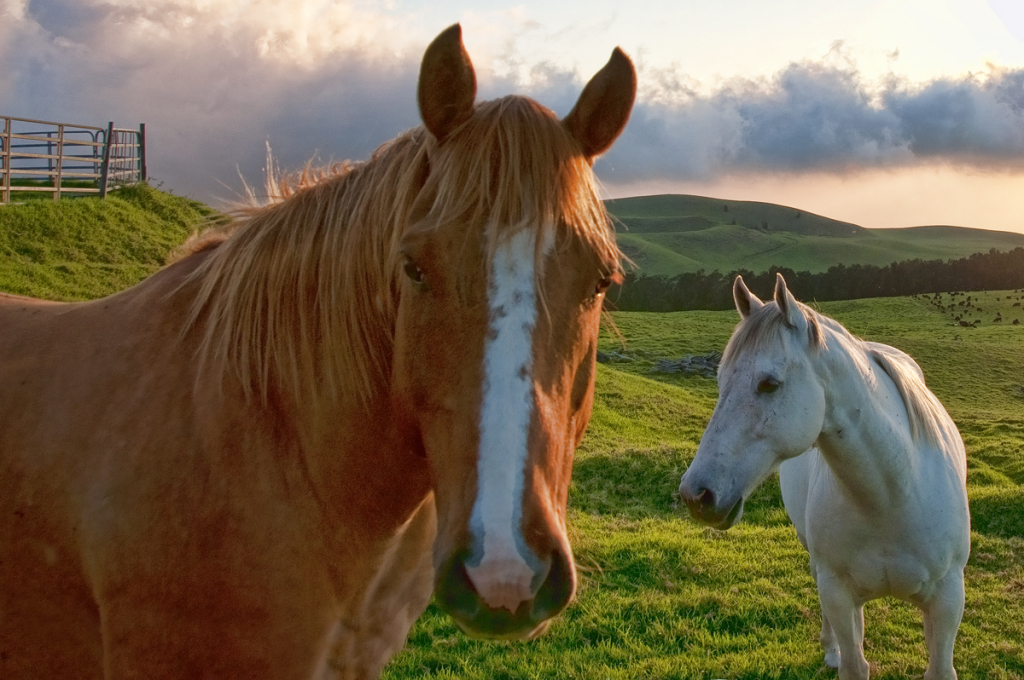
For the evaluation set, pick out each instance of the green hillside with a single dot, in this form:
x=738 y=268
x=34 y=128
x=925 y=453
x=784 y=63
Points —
x=82 y=248
x=672 y=234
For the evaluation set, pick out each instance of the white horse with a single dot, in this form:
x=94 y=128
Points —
x=879 y=501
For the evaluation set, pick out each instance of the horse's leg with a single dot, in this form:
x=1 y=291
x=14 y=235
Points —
x=845 y=616
x=828 y=642
x=942 y=614
x=827 y=638
x=395 y=598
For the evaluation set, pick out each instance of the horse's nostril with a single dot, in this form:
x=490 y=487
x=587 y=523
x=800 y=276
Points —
x=706 y=497
x=558 y=588
x=454 y=590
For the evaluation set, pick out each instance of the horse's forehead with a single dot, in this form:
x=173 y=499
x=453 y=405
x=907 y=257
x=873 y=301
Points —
x=556 y=247
x=768 y=354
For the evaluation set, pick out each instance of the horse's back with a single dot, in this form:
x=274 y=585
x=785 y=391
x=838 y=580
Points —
x=71 y=372
x=38 y=372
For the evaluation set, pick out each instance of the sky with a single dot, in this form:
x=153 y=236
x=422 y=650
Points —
x=885 y=113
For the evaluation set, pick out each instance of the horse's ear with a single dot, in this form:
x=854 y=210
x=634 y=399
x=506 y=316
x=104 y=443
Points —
x=447 y=86
x=788 y=305
x=746 y=302
x=603 y=108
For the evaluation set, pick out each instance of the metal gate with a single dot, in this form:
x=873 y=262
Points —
x=68 y=159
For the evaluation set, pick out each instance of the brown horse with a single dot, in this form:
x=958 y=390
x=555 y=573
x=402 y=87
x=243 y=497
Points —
x=261 y=461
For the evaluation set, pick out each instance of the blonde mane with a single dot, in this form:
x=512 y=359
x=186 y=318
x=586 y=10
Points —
x=924 y=411
x=301 y=295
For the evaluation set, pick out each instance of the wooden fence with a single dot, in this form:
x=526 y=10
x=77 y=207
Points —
x=63 y=159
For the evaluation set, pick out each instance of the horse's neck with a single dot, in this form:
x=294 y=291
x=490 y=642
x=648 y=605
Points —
x=866 y=437
x=361 y=466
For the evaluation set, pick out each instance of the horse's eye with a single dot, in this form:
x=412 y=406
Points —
x=415 y=275
x=604 y=284
x=768 y=385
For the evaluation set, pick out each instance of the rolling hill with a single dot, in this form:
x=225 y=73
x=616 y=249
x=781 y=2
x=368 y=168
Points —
x=672 y=234
x=84 y=248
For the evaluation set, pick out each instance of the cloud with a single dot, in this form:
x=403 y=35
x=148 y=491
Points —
x=973 y=120
x=818 y=117
x=215 y=79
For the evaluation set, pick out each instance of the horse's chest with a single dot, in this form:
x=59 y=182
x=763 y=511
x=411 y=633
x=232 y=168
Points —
x=874 y=573
x=884 y=559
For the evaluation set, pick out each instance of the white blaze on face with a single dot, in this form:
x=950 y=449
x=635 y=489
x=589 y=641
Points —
x=502 y=568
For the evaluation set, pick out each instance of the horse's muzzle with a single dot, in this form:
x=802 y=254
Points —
x=454 y=592
x=704 y=506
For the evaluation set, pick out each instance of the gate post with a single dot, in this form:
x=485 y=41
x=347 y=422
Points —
x=104 y=168
x=142 y=152
x=5 y=161
x=59 y=178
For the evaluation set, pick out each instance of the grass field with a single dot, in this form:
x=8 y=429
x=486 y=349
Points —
x=660 y=596
x=81 y=248
x=669 y=235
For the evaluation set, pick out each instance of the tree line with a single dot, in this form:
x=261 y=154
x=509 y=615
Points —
x=993 y=270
